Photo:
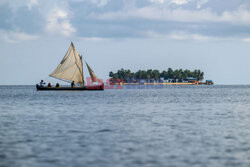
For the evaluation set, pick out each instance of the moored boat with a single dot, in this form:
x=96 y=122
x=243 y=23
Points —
x=70 y=69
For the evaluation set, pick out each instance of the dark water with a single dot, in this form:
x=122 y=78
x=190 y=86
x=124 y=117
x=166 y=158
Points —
x=175 y=126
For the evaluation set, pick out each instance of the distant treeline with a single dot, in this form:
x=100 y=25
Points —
x=149 y=75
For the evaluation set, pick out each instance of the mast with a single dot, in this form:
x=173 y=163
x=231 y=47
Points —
x=82 y=72
x=81 y=66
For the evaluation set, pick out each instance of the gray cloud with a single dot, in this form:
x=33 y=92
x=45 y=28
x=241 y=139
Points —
x=127 y=19
x=5 y=16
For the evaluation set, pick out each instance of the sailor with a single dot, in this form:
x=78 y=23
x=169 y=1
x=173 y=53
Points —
x=42 y=83
x=49 y=85
x=72 y=84
x=57 y=85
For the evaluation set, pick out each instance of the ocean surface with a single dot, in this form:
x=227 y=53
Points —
x=177 y=126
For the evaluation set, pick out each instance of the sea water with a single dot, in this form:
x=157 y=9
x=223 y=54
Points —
x=135 y=126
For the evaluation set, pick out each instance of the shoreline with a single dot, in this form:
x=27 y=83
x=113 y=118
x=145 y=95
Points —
x=176 y=83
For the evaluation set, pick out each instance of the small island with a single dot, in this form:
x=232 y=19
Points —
x=169 y=77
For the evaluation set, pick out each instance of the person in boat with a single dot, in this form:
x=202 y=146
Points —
x=49 y=85
x=42 y=83
x=57 y=85
x=73 y=84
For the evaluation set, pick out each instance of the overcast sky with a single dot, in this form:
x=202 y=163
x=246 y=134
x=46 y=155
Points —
x=210 y=35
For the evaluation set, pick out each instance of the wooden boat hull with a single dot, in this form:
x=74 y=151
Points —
x=93 y=87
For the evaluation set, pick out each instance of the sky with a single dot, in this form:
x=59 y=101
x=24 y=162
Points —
x=210 y=35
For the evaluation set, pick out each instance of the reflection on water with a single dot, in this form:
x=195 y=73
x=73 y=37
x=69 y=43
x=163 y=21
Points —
x=171 y=126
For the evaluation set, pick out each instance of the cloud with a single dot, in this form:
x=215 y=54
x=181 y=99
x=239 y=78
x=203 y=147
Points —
x=93 y=39
x=15 y=37
x=32 y=3
x=201 y=3
x=178 y=2
x=246 y=39
x=189 y=36
x=58 y=23
x=98 y=19
x=100 y=3
x=157 y=1
x=178 y=35
x=240 y=16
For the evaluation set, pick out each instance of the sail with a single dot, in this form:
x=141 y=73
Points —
x=91 y=73
x=70 y=68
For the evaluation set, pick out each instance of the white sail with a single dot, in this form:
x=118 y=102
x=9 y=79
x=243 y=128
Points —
x=91 y=73
x=70 y=68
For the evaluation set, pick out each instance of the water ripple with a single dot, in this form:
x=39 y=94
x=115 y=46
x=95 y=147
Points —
x=173 y=126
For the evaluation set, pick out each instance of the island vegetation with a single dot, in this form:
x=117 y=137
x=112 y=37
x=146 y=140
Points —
x=151 y=75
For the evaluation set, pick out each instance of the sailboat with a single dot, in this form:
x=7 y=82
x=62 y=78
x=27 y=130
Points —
x=71 y=69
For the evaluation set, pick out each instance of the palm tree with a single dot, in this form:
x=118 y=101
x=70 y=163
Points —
x=170 y=74
x=156 y=75
x=111 y=74
x=150 y=74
